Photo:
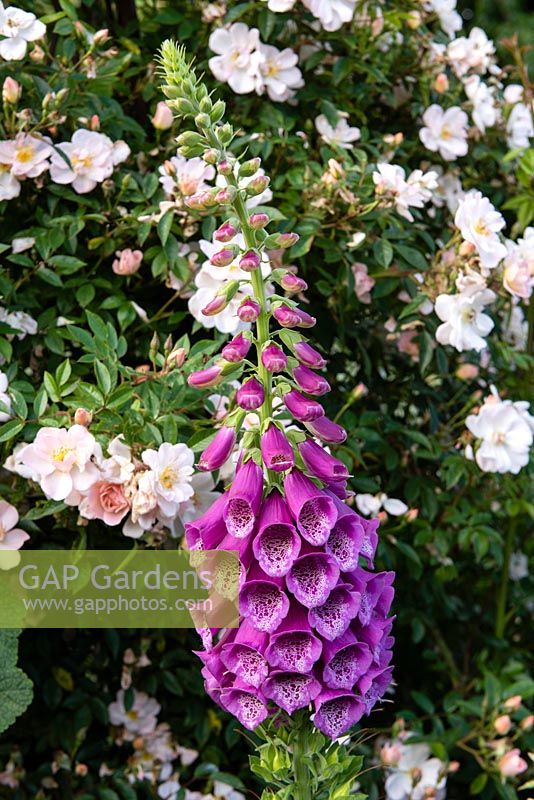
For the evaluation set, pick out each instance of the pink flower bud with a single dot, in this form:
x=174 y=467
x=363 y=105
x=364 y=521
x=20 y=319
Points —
x=210 y=156
x=502 y=724
x=249 y=310
x=411 y=514
x=225 y=233
x=511 y=764
x=219 y=451
x=273 y=358
x=286 y=240
x=257 y=185
x=101 y=36
x=441 y=84
x=527 y=723
x=199 y=201
x=466 y=249
x=513 y=703
x=177 y=357
x=258 y=221
x=292 y=283
x=305 y=320
x=215 y=306
x=307 y=355
x=224 y=168
x=250 y=261
x=310 y=382
x=222 y=258
x=236 y=350
x=390 y=754
x=162 y=119
x=249 y=168
x=83 y=417
x=467 y=372
x=205 y=378
x=94 y=123
x=287 y=317
x=225 y=196
x=127 y=262
x=454 y=766
x=250 y=395
x=11 y=90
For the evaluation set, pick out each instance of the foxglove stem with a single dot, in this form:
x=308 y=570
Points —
x=300 y=768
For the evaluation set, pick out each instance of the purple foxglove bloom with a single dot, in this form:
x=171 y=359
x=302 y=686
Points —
x=264 y=604
x=311 y=578
x=276 y=451
x=322 y=464
x=250 y=261
x=308 y=356
x=250 y=395
x=292 y=283
x=373 y=685
x=223 y=258
x=336 y=711
x=339 y=489
x=225 y=233
x=305 y=320
x=290 y=690
x=346 y=660
x=244 y=654
x=243 y=500
x=287 y=317
x=294 y=647
x=246 y=706
x=310 y=382
x=210 y=527
x=333 y=617
x=258 y=221
x=345 y=542
x=315 y=513
x=205 y=378
x=273 y=358
x=277 y=545
x=302 y=408
x=236 y=350
x=218 y=451
x=249 y=310
x=326 y=430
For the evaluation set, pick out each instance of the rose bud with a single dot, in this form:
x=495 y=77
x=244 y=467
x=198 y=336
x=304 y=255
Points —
x=511 y=764
x=205 y=378
x=127 y=262
x=163 y=117
x=287 y=317
x=225 y=233
x=236 y=350
x=11 y=90
x=273 y=358
x=83 y=417
x=249 y=310
x=218 y=451
x=292 y=283
x=250 y=395
x=302 y=408
x=502 y=724
x=307 y=355
x=250 y=261
x=513 y=703
x=310 y=382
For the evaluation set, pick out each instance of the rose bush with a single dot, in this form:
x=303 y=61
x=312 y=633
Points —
x=395 y=141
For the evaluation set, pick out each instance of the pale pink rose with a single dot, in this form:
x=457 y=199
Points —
x=11 y=538
x=467 y=372
x=502 y=724
x=511 y=764
x=406 y=344
x=512 y=703
x=363 y=283
x=61 y=460
x=11 y=90
x=517 y=279
x=390 y=753
x=106 y=501
x=162 y=119
x=127 y=262
x=527 y=722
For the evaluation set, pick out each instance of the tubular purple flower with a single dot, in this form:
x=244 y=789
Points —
x=292 y=283
x=250 y=395
x=311 y=578
x=290 y=690
x=244 y=654
x=218 y=451
x=326 y=430
x=258 y=221
x=277 y=544
x=346 y=660
x=345 y=542
x=208 y=531
x=250 y=261
x=205 y=378
x=264 y=603
x=276 y=451
x=243 y=499
x=287 y=317
x=249 y=310
x=273 y=358
x=322 y=464
x=294 y=647
x=308 y=355
x=333 y=617
x=373 y=686
x=302 y=408
x=310 y=382
x=314 y=512
x=237 y=349
x=223 y=258
x=246 y=706
x=215 y=306
x=305 y=320
x=336 y=711
x=225 y=233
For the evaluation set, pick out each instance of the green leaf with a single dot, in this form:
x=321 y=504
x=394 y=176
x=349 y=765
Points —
x=10 y=429
x=103 y=377
x=478 y=784
x=383 y=252
x=164 y=227
x=16 y=690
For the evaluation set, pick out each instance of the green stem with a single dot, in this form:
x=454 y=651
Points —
x=500 y=618
x=301 y=772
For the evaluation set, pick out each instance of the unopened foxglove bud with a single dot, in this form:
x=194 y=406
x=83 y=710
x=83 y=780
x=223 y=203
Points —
x=287 y=317
x=249 y=310
x=249 y=168
x=218 y=451
x=273 y=358
x=292 y=283
x=250 y=261
x=223 y=258
x=225 y=233
x=258 y=221
x=307 y=355
x=302 y=408
x=251 y=395
x=257 y=185
x=205 y=378
x=236 y=350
